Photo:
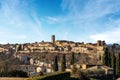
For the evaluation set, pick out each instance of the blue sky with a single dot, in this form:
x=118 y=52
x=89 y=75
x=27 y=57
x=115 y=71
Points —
x=24 y=21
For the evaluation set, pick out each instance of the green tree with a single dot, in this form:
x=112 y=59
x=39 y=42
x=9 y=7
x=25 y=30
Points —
x=72 y=60
x=118 y=65
x=113 y=62
x=106 y=57
x=55 y=66
x=110 y=56
x=63 y=63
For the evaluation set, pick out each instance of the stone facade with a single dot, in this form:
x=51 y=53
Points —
x=62 y=46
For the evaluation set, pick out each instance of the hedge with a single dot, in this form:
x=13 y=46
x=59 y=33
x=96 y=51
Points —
x=53 y=76
x=14 y=73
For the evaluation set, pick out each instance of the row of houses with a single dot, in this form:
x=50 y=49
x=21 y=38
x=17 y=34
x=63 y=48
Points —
x=35 y=70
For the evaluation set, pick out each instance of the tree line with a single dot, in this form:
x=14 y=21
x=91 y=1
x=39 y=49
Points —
x=63 y=62
x=112 y=60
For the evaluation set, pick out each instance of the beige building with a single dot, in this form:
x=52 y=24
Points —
x=63 y=46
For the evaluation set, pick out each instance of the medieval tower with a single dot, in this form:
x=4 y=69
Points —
x=53 y=39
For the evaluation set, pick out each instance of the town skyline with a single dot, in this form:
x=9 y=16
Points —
x=55 y=40
x=31 y=21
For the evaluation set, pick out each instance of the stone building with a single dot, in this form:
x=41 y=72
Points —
x=53 y=39
x=63 y=46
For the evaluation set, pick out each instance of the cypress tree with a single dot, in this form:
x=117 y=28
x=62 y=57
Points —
x=55 y=66
x=118 y=65
x=63 y=63
x=113 y=62
x=110 y=56
x=105 y=57
x=72 y=61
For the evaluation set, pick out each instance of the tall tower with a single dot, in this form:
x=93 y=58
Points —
x=103 y=43
x=99 y=43
x=53 y=39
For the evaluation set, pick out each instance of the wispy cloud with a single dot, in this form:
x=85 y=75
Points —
x=94 y=19
x=80 y=20
x=16 y=23
x=52 y=20
x=8 y=37
x=111 y=35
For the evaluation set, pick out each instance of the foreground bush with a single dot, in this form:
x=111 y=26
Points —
x=95 y=72
x=53 y=76
x=14 y=73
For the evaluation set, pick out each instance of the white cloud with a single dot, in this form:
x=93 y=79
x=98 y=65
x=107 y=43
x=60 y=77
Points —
x=81 y=19
x=91 y=18
x=52 y=20
x=111 y=36
x=8 y=37
x=16 y=24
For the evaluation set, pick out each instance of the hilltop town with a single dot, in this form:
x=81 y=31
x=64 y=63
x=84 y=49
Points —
x=39 y=56
x=56 y=46
x=22 y=51
x=62 y=46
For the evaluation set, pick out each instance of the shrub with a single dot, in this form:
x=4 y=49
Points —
x=55 y=76
x=17 y=73
x=41 y=73
x=97 y=72
x=14 y=73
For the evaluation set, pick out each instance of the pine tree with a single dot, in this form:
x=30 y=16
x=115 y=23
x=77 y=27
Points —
x=63 y=63
x=55 y=66
x=72 y=61
x=118 y=65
